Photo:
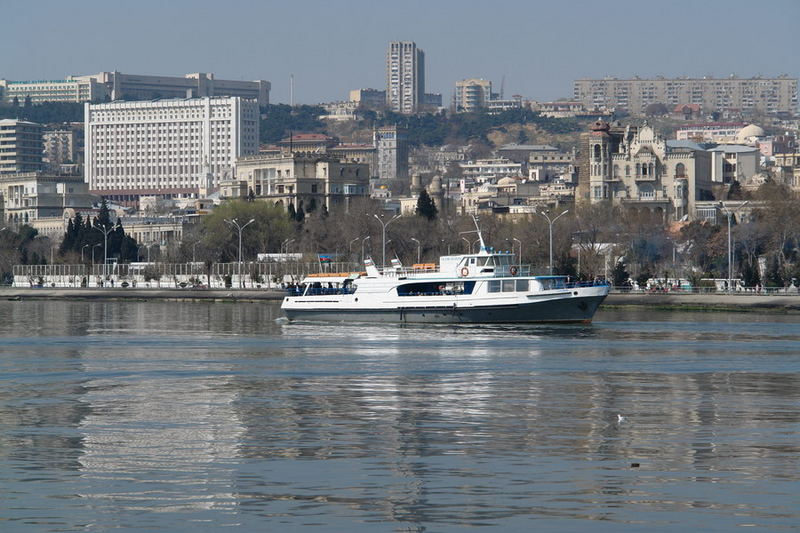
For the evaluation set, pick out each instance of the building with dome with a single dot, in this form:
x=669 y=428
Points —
x=750 y=134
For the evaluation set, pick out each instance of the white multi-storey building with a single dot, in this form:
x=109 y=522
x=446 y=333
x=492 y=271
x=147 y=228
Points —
x=166 y=148
x=405 y=77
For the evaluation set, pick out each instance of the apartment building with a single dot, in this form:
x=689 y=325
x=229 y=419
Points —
x=391 y=145
x=166 y=148
x=20 y=146
x=472 y=94
x=405 y=77
x=60 y=148
x=764 y=95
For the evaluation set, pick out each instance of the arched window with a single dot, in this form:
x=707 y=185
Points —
x=651 y=170
x=616 y=171
x=627 y=170
x=680 y=170
x=597 y=152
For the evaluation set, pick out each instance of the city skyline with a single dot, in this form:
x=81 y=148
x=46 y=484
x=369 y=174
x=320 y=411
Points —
x=335 y=48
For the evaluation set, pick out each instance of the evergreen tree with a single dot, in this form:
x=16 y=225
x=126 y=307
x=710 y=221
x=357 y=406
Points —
x=104 y=216
x=735 y=191
x=301 y=214
x=251 y=196
x=291 y=212
x=620 y=274
x=68 y=242
x=425 y=206
x=312 y=205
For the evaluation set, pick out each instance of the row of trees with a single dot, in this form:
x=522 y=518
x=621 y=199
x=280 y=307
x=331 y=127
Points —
x=45 y=112
x=589 y=241
x=101 y=231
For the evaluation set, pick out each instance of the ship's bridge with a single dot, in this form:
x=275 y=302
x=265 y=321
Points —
x=484 y=264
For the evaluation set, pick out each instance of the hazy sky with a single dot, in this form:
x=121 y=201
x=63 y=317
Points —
x=333 y=46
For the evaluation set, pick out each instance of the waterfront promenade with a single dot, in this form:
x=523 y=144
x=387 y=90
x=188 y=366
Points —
x=776 y=302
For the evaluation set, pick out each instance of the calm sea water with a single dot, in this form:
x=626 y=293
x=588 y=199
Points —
x=200 y=417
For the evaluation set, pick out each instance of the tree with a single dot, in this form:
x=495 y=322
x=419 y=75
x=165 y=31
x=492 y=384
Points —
x=425 y=206
x=220 y=242
x=735 y=191
x=656 y=110
x=620 y=274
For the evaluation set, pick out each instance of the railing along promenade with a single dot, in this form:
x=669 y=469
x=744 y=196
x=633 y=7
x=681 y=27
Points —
x=245 y=275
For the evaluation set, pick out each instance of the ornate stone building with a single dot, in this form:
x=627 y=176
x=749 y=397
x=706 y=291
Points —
x=637 y=168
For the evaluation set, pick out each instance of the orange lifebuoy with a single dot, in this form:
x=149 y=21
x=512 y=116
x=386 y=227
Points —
x=464 y=272
x=513 y=270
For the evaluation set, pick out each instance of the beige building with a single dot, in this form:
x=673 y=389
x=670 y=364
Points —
x=310 y=180
x=639 y=169
x=789 y=168
x=31 y=196
x=405 y=77
x=368 y=98
x=167 y=148
x=38 y=91
x=20 y=146
x=60 y=148
x=472 y=94
x=119 y=86
x=765 y=95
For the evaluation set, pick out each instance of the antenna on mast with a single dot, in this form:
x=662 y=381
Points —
x=502 y=86
x=291 y=90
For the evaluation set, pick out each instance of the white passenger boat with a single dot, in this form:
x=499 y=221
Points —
x=484 y=288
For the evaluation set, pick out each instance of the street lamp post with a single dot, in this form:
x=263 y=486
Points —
x=362 y=246
x=93 y=247
x=105 y=231
x=383 y=230
x=419 y=248
x=193 y=249
x=729 y=213
x=469 y=244
x=234 y=223
x=82 y=249
x=519 y=242
x=350 y=249
x=550 y=222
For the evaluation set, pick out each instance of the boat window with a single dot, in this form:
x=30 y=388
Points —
x=436 y=288
x=471 y=260
x=482 y=261
x=522 y=285
x=494 y=286
x=552 y=283
x=490 y=261
x=508 y=285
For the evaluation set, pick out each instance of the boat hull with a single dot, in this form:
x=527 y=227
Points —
x=564 y=310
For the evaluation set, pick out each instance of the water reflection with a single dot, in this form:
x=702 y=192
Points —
x=143 y=415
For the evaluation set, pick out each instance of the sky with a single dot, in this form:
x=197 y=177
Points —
x=537 y=47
